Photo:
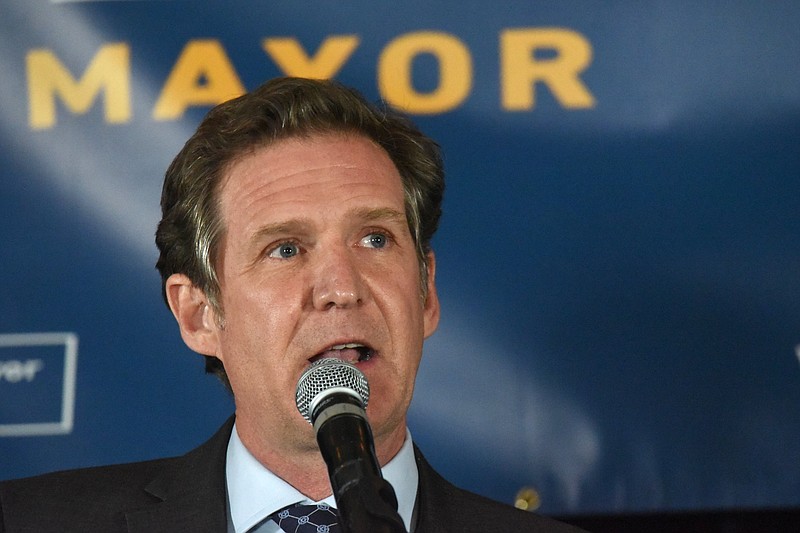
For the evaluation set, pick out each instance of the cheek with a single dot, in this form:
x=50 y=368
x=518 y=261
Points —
x=404 y=303
x=262 y=297
x=255 y=323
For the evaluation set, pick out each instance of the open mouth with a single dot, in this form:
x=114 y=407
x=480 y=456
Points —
x=350 y=353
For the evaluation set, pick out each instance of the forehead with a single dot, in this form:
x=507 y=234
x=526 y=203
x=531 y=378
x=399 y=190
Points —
x=321 y=171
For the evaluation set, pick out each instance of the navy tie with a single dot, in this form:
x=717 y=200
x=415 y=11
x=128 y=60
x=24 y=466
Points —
x=319 y=518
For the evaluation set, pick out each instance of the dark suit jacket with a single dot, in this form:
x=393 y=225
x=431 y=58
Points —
x=188 y=494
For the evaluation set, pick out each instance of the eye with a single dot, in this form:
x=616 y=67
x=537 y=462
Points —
x=375 y=240
x=284 y=250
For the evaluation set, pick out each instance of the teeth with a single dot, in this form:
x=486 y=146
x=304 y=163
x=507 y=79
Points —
x=347 y=346
x=365 y=353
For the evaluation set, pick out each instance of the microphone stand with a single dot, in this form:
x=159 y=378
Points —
x=365 y=501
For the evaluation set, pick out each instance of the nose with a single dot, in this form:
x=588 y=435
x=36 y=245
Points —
x=338 y=282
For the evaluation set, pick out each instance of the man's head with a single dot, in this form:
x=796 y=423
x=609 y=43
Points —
x=296 y=225
x=191 y=230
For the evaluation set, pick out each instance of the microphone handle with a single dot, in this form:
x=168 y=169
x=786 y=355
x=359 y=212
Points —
x=365 y=501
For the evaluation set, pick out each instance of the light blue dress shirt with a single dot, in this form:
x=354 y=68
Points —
x=254 y=493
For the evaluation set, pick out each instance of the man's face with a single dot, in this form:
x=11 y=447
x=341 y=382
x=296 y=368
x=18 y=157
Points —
x=318 y=261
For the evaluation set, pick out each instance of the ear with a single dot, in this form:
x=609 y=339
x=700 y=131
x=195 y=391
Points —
x=195 y=315
x=431 y=307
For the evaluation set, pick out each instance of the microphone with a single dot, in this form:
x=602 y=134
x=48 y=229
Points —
x=332 y=395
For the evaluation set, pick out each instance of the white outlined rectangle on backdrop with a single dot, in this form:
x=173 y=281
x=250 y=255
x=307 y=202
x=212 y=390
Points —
x=63 y=425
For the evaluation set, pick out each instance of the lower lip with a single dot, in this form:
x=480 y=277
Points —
x=367 y=363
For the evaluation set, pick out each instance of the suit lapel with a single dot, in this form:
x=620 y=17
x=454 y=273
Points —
x=190 y=494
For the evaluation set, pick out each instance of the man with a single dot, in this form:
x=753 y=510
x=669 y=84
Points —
x=296 y=225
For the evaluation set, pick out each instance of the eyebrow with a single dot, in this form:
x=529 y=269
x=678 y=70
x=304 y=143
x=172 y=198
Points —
x=301 y=225
x=380 y=214
x=288 y=227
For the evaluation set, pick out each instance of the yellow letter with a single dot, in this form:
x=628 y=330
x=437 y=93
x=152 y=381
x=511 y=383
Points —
x=455 y=72
x=108 y=71
x=202 y=76
x=294 y=61
x=520 y=70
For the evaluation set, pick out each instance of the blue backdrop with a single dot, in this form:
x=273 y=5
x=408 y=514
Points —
x=618 y=263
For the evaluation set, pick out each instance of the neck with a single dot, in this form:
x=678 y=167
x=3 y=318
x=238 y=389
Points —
x=302 y=465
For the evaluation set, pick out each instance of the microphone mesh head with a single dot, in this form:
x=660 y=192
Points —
x=326 y=374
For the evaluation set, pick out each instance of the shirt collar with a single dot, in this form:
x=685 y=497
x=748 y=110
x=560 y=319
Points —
x=255 y=493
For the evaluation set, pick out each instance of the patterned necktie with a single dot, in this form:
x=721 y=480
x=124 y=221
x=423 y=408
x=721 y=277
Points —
x=319 y=518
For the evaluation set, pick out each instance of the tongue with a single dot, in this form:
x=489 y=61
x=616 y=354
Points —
x=348 y=355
